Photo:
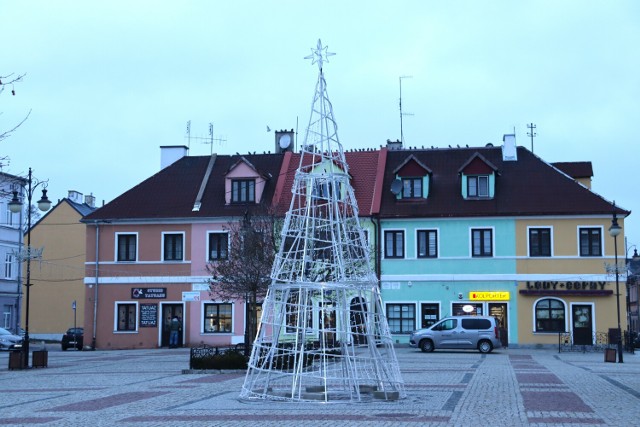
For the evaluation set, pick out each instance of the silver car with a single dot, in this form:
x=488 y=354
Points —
x=9 y=341
x=459 y=332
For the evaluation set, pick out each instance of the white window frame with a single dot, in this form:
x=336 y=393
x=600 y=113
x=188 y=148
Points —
x=116 y=304
x=165 y=233
x=551 y=233
x=209 y=233
x=117 y=244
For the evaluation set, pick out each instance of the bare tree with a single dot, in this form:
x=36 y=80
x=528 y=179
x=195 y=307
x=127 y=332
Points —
x=245 y=273
x=6 y=82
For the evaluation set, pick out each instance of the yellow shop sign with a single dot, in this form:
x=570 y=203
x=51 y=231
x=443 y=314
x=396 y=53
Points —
x=489 y=296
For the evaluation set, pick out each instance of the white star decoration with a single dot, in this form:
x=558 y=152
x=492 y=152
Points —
x=319 y=55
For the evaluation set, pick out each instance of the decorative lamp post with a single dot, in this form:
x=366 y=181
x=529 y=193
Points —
x=15 y=206
x=614 y=231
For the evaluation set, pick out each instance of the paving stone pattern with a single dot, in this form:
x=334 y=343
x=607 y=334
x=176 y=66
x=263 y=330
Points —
x=509 y=387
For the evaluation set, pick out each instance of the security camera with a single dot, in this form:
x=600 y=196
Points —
x=460 y=295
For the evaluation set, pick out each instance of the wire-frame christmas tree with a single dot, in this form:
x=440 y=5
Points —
x=323 y=335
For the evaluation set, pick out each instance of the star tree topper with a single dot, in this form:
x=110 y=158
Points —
x=319 y=55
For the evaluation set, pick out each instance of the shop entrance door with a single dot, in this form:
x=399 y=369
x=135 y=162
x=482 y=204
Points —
x=430 y=314
x=168 y=312
x=499 y=311
x=581 y=318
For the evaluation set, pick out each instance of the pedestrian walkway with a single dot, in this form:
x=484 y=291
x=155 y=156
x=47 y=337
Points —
x=509 y=387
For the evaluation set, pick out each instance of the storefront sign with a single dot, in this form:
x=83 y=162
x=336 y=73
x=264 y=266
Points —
x=139 y=293
x=148 y=315
x=569 y=286
x=489 y=296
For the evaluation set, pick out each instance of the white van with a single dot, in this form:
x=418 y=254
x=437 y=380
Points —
x=459 y=332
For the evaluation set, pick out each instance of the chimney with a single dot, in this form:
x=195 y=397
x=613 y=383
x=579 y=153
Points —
x=509 y=151
x=394 y=145
x=75 y=196
x=169 y=154
x=284 y=140
x=90 y=200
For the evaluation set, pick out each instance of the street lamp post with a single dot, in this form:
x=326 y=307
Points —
x=15 y=206
x=614 y=231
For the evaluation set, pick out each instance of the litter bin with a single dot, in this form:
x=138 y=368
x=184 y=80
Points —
x=16 y=361
x=40 y=358
x=610 y=355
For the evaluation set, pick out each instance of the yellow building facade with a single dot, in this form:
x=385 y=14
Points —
x=566 y=280
x=56 y=298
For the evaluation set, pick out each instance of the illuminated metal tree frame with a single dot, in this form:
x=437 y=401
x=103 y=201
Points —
x=323 y=334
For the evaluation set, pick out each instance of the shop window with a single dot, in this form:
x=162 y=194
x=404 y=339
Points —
x=540 y=242
x=296 y=308
x=401 y=318
x=173 y=247
x=427 y=244
x=430 y=314
x=590 y=242
x=126 y=316
x=550 y=315
x=217 y=318
x=127 y=247
x=394 y=244
x=482 y=243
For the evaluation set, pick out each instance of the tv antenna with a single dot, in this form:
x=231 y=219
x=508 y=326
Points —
x=531 y=133
x=210 y=139
x=401 y=113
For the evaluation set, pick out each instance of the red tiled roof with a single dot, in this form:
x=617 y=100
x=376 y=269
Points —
x=363 y=168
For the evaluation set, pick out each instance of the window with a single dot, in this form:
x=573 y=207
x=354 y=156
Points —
x=481 y=243
x=9 y=216
x=590 y=242
x=243 y=191
x=478 y=186
x=217 y=318
x=218 y=246
x=394 y=244
x=539 y=242
x=401 y=318
x=550 y=315
x=8 y=266
x=427 y=244
x=324 y=189
x=173 y=247
x=294 y=308
x=411 y=188
x=126 y=317
x=127 y=247
x=7 y=316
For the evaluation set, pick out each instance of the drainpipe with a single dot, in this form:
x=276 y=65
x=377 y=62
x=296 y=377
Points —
x=376 y=248
x=95 y=292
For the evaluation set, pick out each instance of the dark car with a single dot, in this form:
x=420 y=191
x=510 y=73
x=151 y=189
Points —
x=74 y=338
x=9 y=341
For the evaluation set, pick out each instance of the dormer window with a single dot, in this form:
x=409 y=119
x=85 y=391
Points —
x=478 y=186
x=411 y=188
x=412 y=180
x=243 y=191
x=478 y=178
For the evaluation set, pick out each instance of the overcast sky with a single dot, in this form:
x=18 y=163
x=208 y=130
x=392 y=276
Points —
x=108 y=83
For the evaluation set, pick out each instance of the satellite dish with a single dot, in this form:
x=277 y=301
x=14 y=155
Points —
x=396 y=186
x=284 y=141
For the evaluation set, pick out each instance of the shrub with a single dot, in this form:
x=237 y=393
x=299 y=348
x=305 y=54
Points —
x=228 y=360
